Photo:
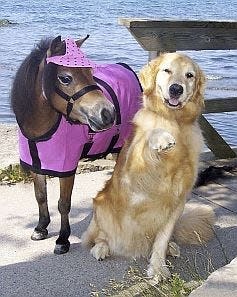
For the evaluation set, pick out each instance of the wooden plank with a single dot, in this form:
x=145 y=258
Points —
x=164 y=35
x=215 y=142
x=152 y=55
x=219 y=194
x=230 y=182
x=138 y=22
x=220 y=105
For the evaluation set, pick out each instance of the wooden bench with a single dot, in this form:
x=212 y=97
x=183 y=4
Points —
x=157 y=36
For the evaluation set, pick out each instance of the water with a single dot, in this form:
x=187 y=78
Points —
x=110 y=42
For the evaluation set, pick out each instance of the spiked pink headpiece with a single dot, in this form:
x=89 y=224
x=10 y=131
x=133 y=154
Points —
x=74 y=57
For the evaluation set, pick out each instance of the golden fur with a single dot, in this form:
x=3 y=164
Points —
x=136 y=212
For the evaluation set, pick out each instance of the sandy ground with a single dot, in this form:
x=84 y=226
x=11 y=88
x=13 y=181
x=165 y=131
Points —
x=8 y=145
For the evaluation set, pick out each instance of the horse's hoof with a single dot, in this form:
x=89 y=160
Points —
x=39 y=234
x=61 y=248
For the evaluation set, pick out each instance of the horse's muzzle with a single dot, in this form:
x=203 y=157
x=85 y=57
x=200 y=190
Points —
x=104 y=121
x=108 y=116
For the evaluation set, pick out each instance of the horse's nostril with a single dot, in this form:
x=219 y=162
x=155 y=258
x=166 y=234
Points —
x=107 y=116
x=176 y=90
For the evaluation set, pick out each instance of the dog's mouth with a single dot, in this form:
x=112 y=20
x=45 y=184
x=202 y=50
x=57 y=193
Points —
x=173 y=102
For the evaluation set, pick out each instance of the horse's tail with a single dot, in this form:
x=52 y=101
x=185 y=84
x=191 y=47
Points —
x=195 y=226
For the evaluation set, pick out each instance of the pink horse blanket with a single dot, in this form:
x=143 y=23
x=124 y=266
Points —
x=57 y=152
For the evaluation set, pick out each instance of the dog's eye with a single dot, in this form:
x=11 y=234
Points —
x=167 y=70
x=65 y=79
x=189 y=75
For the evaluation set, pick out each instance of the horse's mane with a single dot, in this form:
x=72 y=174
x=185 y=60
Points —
x=23 y=88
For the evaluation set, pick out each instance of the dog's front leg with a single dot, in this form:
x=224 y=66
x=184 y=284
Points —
x=157 y=268
x=101 y=248
x=161 y=140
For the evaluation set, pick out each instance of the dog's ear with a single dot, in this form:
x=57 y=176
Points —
x=147 y=76
x=200 y=87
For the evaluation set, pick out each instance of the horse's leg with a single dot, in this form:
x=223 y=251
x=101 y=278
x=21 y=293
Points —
x=40 y=187
x=64 y=206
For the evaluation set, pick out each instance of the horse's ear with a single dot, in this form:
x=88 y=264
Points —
x=57 y=47
x=81 y=41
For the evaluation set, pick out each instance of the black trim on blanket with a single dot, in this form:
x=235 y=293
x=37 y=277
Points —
x=102 y=155
x=46 y=136
x=129 y=68
x=115 y=100
x=86 y=149
x=113 y=96
x=110 y=149
x=112 y=144
x=36 y=163
x=115 y=138
x=46 y=171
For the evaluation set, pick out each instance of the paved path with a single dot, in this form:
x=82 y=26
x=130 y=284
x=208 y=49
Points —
x=30 y=268
x=222 y=195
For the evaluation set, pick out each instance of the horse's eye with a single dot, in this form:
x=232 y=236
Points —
x=65 y=79
x=189 y=75
x=167 y=70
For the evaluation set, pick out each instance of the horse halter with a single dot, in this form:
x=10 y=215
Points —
x=71 y=99
x=73 y=57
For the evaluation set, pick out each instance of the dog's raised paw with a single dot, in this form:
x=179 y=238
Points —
x=161 y=140
x=100 y=251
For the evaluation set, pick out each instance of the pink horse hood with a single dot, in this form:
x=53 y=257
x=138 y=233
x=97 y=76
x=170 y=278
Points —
x=58 y=151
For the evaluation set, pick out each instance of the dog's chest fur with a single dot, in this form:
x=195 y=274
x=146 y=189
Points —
x=155 y=185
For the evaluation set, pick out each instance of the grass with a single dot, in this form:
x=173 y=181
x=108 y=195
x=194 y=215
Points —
x=135 y=283
x=14 y=174
x=196 y=264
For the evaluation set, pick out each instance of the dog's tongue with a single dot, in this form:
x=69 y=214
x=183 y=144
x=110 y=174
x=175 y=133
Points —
x=174 y=101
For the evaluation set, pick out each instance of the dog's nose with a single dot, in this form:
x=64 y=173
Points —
x=176 y=90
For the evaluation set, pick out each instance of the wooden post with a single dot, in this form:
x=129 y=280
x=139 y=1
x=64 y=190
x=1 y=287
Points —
x=214 y=141
x=152 y=55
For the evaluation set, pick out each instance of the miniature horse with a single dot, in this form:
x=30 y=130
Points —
x=68 y=108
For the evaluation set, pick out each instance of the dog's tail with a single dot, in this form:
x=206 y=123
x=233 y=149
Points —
x=89 y=236
x=195 y=226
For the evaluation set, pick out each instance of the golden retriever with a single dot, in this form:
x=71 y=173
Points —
x=141 y=205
